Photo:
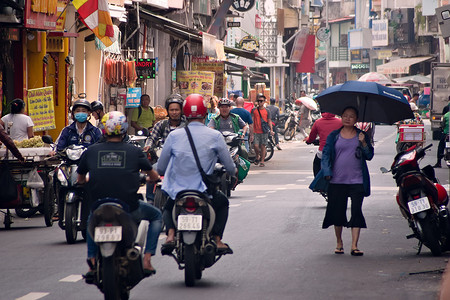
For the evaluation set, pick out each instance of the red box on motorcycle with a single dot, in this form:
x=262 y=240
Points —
x=411 y=133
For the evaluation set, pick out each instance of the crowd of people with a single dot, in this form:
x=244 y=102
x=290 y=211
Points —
x=339 y=166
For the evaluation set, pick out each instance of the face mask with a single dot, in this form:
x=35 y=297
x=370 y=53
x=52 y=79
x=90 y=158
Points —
x=81 y=117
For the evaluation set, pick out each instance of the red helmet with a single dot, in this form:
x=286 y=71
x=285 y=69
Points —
x=442 y=194
x=194 y=106
x=298 y=102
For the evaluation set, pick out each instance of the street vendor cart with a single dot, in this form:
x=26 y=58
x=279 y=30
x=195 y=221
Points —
x=34 y=196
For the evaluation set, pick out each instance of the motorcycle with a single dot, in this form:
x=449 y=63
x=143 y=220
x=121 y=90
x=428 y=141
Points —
x=291 y=124
x=239 y=156
x=119 y=263
x=69 y=194
x=195 y=248
x=447 y=151
x=422 y=200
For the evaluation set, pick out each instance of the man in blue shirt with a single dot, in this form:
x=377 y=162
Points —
x=246 y=117
x=180 y=170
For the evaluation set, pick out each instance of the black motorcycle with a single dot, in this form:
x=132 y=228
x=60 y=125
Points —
x=195 y=247
x=119 y=263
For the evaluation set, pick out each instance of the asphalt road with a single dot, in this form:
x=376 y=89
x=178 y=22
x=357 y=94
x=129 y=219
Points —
x=274 y=228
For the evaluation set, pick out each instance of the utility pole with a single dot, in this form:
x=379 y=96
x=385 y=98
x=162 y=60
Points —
x=327 y=63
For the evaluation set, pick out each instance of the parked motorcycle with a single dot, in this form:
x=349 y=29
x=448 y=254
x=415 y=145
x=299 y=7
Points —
x=119 y=263
x=422 y=200
x=69 y=194
x=195 y=247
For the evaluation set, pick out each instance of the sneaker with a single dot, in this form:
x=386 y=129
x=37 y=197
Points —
x=278 y=147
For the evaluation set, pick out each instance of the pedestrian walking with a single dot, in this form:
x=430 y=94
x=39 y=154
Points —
x=445 y=131
x=274 y=115
x=305 y=119
x=344 y=174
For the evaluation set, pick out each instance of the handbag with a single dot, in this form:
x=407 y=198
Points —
x=8 y=184
x=211 y=181
x=264 y=125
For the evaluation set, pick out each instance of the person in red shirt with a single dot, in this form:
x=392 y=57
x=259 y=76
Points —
x=322 y=127
x=260 y=133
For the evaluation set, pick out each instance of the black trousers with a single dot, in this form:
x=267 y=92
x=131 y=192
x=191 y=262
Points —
x=441 y=147
x=336 y=213
x=220 y=205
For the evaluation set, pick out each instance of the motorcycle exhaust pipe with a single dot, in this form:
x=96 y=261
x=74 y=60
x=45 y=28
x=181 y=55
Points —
x=210 y=255
x=132 y=254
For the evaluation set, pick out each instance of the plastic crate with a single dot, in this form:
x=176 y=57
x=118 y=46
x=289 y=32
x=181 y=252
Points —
x=411 y=133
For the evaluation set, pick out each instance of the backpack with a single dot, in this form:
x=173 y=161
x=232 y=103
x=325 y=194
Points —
x=140 y=111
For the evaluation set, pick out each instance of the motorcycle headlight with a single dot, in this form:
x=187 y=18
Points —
x=62 y=178
x=405 y=157
x=74 y=153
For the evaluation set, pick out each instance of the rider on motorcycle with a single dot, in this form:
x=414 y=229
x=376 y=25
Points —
x=81 y=131
x=174 y=107
x=113 y=169
x=178 y=164
x=227 y=121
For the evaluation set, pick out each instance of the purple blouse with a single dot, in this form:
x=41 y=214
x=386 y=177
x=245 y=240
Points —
x=347 y=168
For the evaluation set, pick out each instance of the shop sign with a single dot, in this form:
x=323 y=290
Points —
x=380 y=36
x=355 y=55
x=243 y=5
x=146 y=68
x=299 y=45
x=196 y=82
x=249 y=43
x=359 y=68
x=43 y=14
x=384 y=54
x=203 y=63
x=41 y=108
x=133 y=97
x=233 y=24
x=10 y=34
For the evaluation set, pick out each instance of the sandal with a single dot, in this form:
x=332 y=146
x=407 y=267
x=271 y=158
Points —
x=226 y=250
x=149 y=272
x=339 y=251
x=256 y=162
x=356 y=252
x=262 y=165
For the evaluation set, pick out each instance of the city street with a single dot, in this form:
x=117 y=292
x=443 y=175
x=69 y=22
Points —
x=280 y=249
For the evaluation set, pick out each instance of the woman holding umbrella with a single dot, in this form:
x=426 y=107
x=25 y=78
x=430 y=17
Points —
x=344 y=171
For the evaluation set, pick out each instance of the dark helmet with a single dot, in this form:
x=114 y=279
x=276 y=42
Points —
x=174 y=98
x=17 y=105
x=81 y=102
x=224 y=101
x=96 y=105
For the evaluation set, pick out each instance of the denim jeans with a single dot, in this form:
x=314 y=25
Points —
x=144 y=212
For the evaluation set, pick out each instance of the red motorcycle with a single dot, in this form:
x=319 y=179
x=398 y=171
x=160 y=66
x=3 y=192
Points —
x=422 y=200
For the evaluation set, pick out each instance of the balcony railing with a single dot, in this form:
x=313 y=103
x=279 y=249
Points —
x=339 y=54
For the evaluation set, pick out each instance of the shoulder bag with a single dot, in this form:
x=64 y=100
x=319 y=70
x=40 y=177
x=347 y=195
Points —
x=211 y=181
x=264 y=125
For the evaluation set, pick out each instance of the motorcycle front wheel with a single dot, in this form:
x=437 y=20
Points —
x=190 y=267
x=26 y=212
x=71 y=223
x=430 y=235
x=269 y=151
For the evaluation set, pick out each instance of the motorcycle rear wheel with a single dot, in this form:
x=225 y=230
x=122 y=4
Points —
x=189 y=265
x=110 y=286
x=71 y=223
x=49 y=204
x=26 y=212
x=289 y=133
x=430 y=235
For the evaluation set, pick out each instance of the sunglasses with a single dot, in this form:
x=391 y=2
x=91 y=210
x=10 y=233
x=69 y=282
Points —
x=261 y=100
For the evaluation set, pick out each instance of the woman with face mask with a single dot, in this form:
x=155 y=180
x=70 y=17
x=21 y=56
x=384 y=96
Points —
x=81 y=131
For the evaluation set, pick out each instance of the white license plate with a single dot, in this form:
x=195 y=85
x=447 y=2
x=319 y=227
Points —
x=189 y=222
x=447 y=144
x=108 y=234
x=419 y=205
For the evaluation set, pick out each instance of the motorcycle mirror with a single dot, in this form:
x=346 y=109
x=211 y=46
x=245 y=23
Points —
x=143 y=132
x=384 y=170
x=47 y=139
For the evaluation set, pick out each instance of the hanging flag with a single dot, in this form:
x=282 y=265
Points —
x=307 y=62
x=95 y=15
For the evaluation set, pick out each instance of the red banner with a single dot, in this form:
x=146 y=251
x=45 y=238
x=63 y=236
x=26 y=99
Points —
x=307 y=62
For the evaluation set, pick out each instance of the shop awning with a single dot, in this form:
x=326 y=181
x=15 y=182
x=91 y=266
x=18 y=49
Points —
x=240 y=70
x=181 y=31
x=401 y=65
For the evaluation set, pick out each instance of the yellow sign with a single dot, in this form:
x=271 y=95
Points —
x=202 y=64
x=383 y=54
x=41 y=108
x=196 y=82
